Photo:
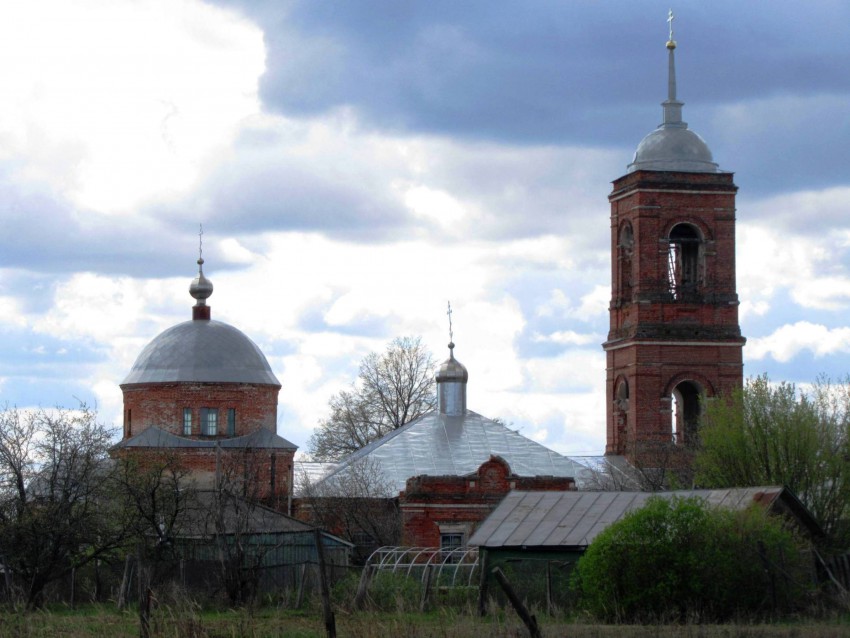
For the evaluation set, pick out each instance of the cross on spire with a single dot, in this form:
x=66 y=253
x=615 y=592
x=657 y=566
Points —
x=200 y=243
x=449 y=313
x=670 y=18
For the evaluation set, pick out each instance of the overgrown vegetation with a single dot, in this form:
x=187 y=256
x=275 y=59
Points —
x=680 y=560
x=56 y=510
x=272 y=622
x=778 y=434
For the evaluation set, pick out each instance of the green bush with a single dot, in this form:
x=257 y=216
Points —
x=680 y=560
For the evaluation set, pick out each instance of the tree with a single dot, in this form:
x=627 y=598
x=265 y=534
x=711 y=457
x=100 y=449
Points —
x=158 y=498
x=392 y=389
x=358 y=505
x=775 y=434
x=56 y=513
x=242 y=530
x=679 y=559
x=652 y=466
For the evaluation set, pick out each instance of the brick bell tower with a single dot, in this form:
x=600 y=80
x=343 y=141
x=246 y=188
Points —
x=674 y=336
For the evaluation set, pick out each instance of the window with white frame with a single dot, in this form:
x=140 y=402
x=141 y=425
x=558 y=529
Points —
x=452 y=538
x=187 y=421
x=209 y=421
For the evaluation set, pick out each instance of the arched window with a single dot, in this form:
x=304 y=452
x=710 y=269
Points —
x=625 y=250
x=684 y=262
x=622 y=395
x=687 y=407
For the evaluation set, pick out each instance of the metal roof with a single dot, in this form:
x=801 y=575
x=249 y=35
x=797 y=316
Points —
x=574 y=519
x=154 y=437
x=672 y=147
x=439 y=445
x=305 y=473
x=203 y=351
x=238 y=516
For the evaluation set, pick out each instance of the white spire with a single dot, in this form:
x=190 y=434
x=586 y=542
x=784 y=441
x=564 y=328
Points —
x=672 y=106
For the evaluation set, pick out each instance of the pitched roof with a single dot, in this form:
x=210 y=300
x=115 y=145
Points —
x=238 y=516
x=574 y=519
x=154 y=437
x=439 y=445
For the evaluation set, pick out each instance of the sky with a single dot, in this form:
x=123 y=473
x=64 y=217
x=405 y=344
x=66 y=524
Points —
x=357 y=165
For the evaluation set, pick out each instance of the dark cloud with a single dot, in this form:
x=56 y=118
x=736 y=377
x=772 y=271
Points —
x=580 y=72
x=278 y=192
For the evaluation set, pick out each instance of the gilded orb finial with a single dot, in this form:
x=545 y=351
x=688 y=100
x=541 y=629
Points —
x=671 y=43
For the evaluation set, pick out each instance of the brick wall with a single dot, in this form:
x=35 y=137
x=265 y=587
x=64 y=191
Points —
x=265 y=474
x=162 y=404
x=656 y=340
x=460 y=503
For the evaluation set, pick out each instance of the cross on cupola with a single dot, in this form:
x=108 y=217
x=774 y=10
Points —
x=201 y=288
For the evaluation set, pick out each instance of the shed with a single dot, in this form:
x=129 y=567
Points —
x=558 y=526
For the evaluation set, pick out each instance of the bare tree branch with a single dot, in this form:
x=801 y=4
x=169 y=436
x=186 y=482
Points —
x=392 y=389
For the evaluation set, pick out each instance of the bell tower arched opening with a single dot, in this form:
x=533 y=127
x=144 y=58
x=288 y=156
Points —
x=687 y=399
x=685 y=263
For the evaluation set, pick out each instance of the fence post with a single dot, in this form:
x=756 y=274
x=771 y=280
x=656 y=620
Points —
x=529 y=620
x=330 y=622
x=483 y=582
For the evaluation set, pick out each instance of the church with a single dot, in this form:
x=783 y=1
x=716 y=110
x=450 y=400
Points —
x=204 y=391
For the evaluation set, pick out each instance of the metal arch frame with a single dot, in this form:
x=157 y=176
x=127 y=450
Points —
x=451 y=561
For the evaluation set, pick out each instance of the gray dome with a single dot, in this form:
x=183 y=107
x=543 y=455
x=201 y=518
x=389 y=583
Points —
x=201 y=351
x=451 y=369
x=673 y=148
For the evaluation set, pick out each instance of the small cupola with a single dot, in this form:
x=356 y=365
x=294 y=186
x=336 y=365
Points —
x=451 y=385
x=201 y=288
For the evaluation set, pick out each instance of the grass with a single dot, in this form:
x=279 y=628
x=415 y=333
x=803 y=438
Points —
x=105 y=620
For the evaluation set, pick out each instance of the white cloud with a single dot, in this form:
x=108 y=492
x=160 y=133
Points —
x=439 y=207
x=811 y=269
x=567 y=337
x=119 y=102
x=791 y=340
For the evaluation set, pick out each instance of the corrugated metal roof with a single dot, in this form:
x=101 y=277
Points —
x=309 y=472
x=574 y=519
x=439 y=445
x=202 y=351
x=154 y=437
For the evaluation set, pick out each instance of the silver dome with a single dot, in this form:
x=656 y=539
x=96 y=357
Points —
x=451 y=369
x=203 y=352
x=670 y=148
